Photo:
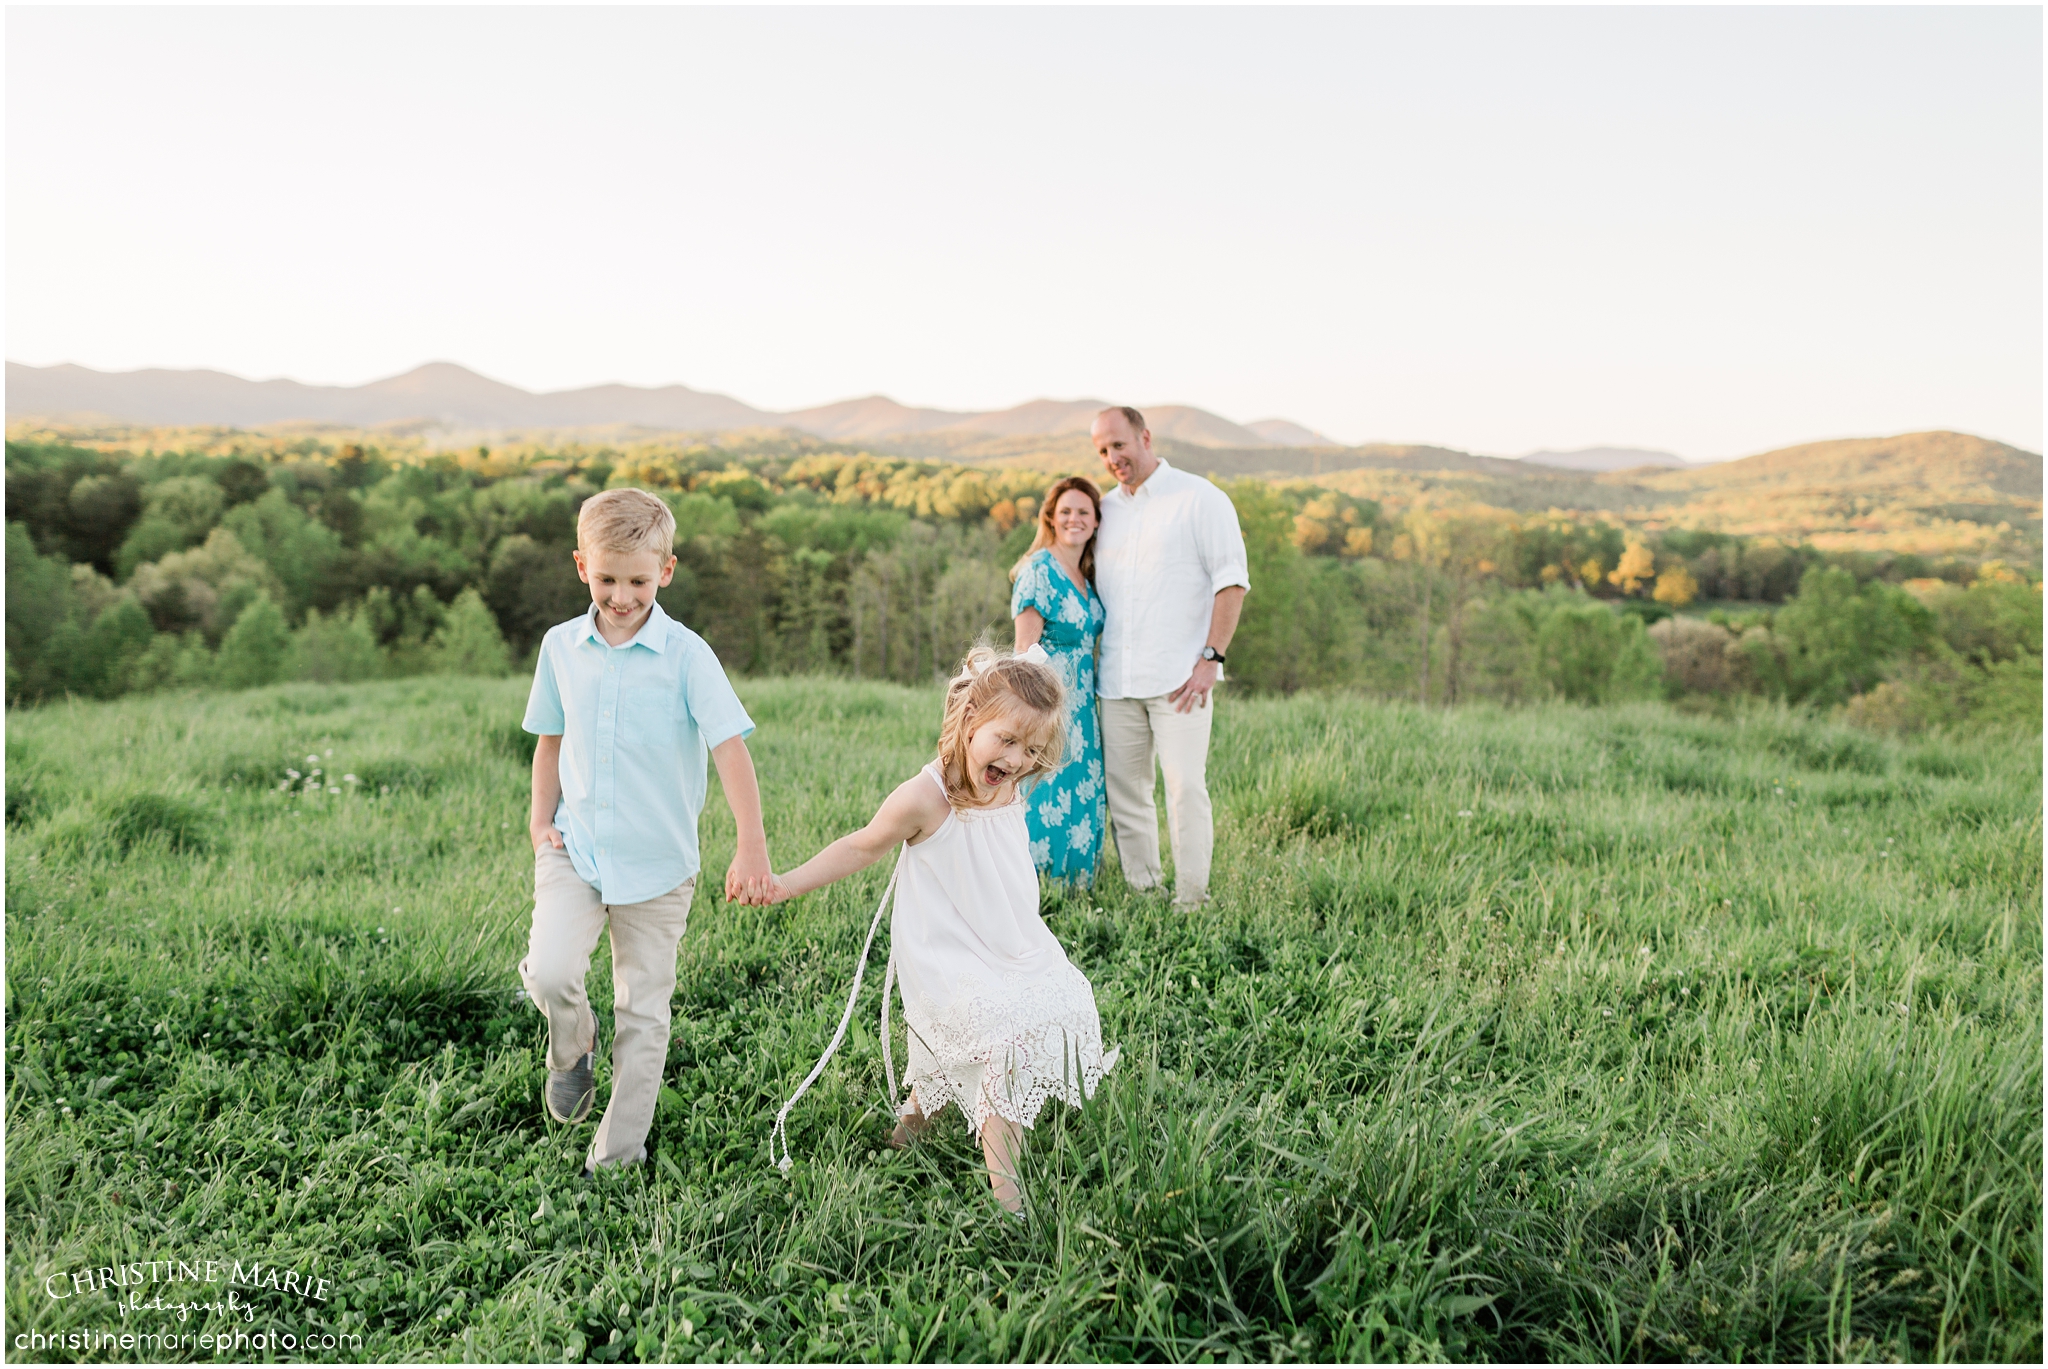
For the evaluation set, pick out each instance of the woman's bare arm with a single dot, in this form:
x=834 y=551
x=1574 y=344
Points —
x=1030 y=627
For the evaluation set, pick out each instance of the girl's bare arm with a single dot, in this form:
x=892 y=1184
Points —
x=914 y=811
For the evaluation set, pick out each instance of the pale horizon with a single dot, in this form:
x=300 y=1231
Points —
x=1706 y=232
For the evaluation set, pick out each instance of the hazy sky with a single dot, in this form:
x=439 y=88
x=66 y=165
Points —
x=1713 y=231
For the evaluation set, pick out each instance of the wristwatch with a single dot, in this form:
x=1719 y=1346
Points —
x=1210 y=653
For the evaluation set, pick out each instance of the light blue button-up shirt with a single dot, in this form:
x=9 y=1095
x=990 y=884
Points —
x=637 y=724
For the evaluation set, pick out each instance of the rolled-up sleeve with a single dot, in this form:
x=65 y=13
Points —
x=1220 y=542
x=544 y=714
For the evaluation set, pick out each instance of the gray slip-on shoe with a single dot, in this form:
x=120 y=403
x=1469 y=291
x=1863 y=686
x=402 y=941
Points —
x=570 y=1092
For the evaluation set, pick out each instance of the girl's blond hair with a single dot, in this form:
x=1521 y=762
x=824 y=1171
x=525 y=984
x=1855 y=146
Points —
x=989 y=684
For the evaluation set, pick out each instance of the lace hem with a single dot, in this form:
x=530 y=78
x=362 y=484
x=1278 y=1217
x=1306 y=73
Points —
x=1025 y=1049
x=1020 y=1105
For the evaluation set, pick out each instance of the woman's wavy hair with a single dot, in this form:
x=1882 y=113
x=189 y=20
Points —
x=991 y=683
x=1047 y=536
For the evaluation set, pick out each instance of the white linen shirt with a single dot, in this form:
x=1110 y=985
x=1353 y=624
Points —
x=637 y=723
x=1161 y=557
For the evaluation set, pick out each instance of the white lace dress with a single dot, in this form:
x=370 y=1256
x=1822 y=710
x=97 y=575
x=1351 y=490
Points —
x=999 y=1018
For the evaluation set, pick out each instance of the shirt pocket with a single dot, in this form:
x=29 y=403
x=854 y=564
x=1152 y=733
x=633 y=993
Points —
x=650 y=710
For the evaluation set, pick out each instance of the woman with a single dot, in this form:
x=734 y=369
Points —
x=1055 y=606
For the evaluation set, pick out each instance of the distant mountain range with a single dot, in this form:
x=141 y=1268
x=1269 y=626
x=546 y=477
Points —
x=453 y=396
x=1606 y=459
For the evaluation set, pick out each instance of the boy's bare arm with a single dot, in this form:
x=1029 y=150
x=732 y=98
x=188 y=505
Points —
x=916 y=809
x=750 y=873
x=547 y=792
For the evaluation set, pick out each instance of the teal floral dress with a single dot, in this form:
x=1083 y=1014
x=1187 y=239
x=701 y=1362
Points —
x=1065 y=809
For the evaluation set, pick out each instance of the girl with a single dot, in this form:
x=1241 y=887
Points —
x=1056 y=607
x=999 y=1019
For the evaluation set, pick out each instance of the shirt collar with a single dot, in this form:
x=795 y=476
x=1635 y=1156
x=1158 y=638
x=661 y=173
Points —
x=1162 y=466
x=653 y=633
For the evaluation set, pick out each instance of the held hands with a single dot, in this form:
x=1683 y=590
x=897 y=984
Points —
x=1195 y=692
x=917 y=806
x=758 y=891
x=749 y=878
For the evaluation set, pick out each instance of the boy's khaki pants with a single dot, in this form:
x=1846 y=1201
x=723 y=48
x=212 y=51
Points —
x=1134 y=733
x=568 y=915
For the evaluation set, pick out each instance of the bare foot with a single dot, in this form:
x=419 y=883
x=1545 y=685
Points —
x=910 y=1126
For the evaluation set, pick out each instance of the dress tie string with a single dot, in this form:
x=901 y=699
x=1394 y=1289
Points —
x=860 y=968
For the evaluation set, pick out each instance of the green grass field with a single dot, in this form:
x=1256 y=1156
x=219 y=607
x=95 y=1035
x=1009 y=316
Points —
x=1593 y=1035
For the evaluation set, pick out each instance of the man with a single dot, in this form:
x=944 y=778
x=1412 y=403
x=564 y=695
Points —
x=1170 y=567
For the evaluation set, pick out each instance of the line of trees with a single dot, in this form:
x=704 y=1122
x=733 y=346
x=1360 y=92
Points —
x=1473 y=603
x=332 y=561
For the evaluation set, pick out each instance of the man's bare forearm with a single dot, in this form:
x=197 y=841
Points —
x=1223 y=615
x=1229 y=607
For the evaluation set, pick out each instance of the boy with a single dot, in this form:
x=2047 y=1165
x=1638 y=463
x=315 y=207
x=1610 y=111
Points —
x=626 y=702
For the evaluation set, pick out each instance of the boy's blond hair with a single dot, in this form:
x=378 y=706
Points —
x=626 y=520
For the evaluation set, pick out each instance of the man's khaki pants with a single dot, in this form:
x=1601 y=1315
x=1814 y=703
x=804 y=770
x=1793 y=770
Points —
x=568 y=915
x=1134 y=732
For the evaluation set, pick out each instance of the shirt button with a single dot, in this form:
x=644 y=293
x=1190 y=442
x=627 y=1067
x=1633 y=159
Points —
x=607 y=712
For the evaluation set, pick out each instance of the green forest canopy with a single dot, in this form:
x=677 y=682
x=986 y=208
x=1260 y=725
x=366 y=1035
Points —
x=246 y=559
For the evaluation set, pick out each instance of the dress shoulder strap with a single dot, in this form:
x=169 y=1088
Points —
x=931 y=772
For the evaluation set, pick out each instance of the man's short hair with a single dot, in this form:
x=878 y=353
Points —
x=626 y=520
x=1131 y=416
